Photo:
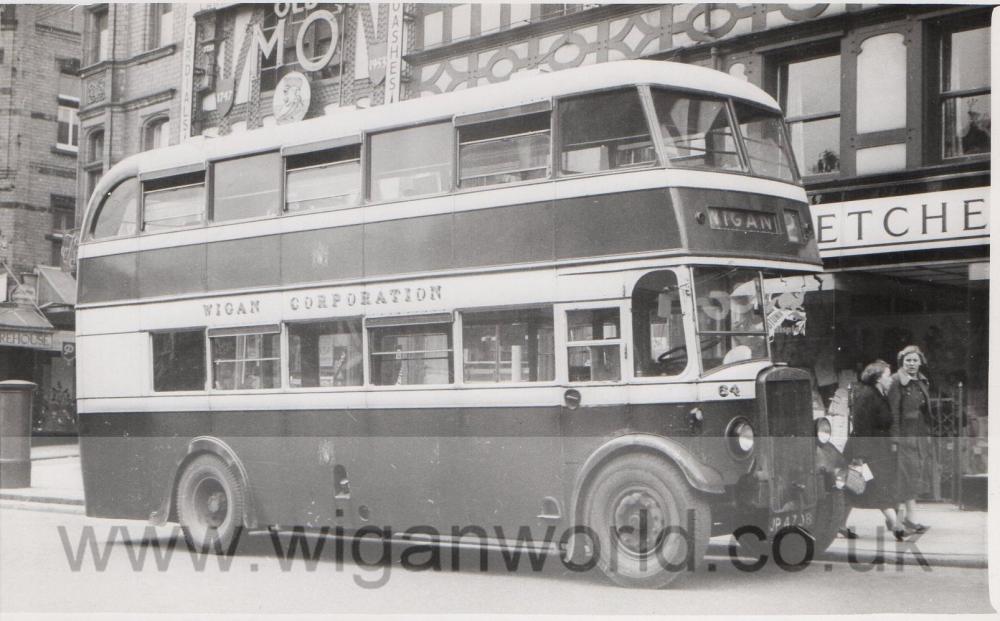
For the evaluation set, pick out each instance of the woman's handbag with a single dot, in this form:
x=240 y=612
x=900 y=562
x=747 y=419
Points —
x=858 y=476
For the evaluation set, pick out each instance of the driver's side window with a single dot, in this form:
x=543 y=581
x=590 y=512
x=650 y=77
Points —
x=658 y=326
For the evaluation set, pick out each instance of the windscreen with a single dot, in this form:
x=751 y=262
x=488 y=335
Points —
x=730 y=315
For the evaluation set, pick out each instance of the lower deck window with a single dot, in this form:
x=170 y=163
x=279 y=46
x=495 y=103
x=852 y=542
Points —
x=325 y=354
x=179 y=361
x=246 y=360
x=411 y=354
x=594 y=345
x=508 y=346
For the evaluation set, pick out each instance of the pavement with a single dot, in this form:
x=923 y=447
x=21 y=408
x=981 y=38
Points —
x=957 y=538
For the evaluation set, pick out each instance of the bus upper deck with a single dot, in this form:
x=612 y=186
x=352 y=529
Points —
x=628 y=159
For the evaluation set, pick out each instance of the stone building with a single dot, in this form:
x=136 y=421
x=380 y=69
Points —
x=39 y=142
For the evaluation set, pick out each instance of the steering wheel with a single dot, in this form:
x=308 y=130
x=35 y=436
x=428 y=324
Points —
x=667 y=356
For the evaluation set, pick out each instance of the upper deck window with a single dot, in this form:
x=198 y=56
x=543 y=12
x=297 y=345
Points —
x=504 y=151
x=412 y=162
x=173 y=202
x=329 y=179
x=246 y=187
x=116 y=217
x=696 y=131
x=764 y=137
x=604 y=131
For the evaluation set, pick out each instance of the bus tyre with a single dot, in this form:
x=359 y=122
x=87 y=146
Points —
x=649 y=525
x=831 y=515
x=210 y=504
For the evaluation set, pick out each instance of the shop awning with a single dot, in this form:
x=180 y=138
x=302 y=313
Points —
x=23 y=326
x=55 y=287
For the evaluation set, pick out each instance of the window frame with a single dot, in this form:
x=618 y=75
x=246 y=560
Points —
x=97 y=53
x=473 y=120
x=286 y=348
x=934 y=70
x=154 y=123
x=318 y=148
x=368 y=155
x=403 y=321
x=205 y=361
x=682 y=275
x=72 y=106
x=155 y=18
x=210 y=181
x=459 y=345
x=167 y=174
x=238 y=331
x=698 y=333
x=562 y=342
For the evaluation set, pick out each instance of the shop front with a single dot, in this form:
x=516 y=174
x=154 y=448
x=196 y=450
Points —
x=901 y=270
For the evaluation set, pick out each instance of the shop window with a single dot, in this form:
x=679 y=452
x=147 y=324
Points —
x=696 y=131
x=179 y=360
x=508 y=346
x=504 y=151
x=329 y=179
x=809 y=92
x=246 y=358
x=411 y=353
x=116 y=217
x=100 y=36
x=156 y=134
x=658 y=326
x=965 y=92
x=412 y=162
x=68 y=125
x=173 y=202
x=604 y=131
x=246 y=187
x=593 y=344
x=161 y=24
x=325 y=354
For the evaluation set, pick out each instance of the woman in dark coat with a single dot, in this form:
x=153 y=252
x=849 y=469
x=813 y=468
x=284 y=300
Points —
x=909 y=398
x=872 y=442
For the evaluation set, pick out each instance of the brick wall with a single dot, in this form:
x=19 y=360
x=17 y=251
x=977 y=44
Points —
x=32 y=170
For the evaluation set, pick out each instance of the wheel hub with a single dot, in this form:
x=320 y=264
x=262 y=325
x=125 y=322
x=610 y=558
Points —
x=639 y=522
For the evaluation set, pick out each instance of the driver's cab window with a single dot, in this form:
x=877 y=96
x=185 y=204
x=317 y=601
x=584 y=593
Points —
x=730 y=315
x=658 y=326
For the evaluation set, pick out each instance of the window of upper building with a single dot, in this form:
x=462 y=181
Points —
x=161 y=24
x=504 y=150
x=156 y=133
x=809 y=93
x=117 y=214
x=325 y=179
x=964 y=90
x=67 y=125
x=95 y=146
x=318 y=44
x=246 y=187
x=173 y=202
x=411 y=162
x=100 y=36
x=604 y=131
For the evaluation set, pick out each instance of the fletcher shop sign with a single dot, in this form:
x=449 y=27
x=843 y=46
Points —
x=911 y=222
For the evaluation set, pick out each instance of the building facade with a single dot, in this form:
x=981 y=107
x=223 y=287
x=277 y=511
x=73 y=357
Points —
x=39 y=141
x=888 y=107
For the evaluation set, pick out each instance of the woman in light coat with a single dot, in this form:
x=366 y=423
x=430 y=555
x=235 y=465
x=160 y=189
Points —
x=909 y=399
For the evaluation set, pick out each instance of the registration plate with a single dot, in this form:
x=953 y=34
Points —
x=784 y=520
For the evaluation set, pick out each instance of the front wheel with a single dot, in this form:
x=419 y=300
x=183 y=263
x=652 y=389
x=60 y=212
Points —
x=649 y=525
x=210 y=504
x=831 y=515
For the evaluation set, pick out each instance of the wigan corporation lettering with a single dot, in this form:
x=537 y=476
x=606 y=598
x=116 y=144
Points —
x=394 y=295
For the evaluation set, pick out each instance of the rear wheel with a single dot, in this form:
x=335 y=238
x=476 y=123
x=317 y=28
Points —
x=210 y=504
x=650 y=526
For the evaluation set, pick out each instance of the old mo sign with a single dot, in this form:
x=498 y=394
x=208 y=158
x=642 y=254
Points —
x=281 y=10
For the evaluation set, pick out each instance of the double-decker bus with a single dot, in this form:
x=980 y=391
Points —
x=516 y=308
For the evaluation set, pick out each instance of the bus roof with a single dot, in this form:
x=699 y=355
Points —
x=517 y=92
